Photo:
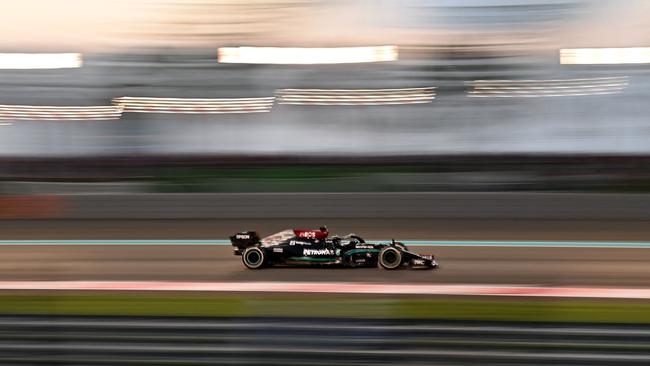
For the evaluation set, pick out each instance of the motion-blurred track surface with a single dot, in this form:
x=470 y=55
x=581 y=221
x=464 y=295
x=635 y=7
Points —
x=539 y=266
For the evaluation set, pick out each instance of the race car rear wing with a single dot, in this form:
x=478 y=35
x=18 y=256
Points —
x=244 y=240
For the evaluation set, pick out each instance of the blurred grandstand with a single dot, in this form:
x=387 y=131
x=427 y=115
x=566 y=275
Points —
x=477 y=90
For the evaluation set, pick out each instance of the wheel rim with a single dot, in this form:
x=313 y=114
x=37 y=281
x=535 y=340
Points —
x=390 y=258
x=253 y=257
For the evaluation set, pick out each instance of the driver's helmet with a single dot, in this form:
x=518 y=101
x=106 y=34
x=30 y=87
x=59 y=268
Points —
x=347 y=240
x=323 y=228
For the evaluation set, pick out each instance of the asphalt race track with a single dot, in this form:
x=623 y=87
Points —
x=495 y=265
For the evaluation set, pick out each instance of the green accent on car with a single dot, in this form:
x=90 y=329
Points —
x=355 y=251
x=312 y=259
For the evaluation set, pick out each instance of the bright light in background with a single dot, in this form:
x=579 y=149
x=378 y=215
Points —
x=305 y=56
x=356 y=96
x=57 y=113
x=547 y=88
x=195 y=105
x=25 y=61
x=595 y=56
x=76 y=25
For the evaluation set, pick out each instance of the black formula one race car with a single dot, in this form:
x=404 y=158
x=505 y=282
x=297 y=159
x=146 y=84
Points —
x=316 y=247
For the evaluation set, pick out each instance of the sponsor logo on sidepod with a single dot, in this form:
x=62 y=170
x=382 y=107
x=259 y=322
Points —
x=317 y=252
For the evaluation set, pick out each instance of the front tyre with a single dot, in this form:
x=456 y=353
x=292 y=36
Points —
x=253 y=258
x=390 y=258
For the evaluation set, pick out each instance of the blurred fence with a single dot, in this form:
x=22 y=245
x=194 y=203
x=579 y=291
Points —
x=205 y=174
x=28 y=340
x=548 y=206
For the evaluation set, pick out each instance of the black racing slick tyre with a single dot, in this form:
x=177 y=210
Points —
x=390 y=258
x=253 y=258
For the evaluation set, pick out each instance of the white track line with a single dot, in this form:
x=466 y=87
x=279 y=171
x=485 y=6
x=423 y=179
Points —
x=332 y=287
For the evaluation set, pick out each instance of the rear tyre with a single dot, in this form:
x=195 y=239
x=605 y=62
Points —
x=253 y=258
x=390 y=258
